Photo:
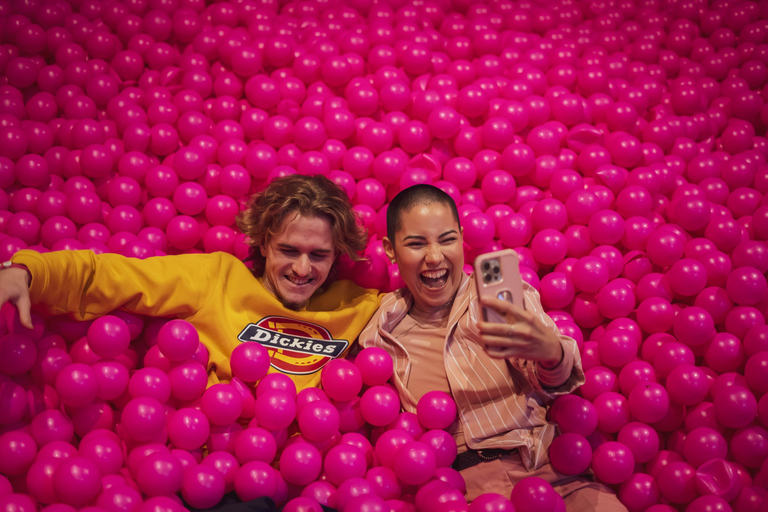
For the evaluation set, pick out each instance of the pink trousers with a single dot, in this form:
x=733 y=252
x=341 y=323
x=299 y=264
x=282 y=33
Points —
x=579 y=492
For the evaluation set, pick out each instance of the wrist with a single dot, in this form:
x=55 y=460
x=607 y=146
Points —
x=9 y=265
x=555 y=362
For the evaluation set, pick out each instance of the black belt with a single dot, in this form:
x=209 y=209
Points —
x=471 y=458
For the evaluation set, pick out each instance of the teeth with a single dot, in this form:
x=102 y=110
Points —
x=435 y=274
x=297 y=281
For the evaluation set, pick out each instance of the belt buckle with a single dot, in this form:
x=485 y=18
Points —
x=489 y=455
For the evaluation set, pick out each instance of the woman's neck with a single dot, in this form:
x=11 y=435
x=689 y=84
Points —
x=431 y=313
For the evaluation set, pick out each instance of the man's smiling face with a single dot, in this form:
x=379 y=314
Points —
x=298 y=259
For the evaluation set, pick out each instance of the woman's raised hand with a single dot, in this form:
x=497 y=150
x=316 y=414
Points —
x=523 y=335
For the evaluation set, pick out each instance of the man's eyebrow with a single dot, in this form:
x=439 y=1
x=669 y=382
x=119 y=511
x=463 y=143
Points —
x=293 y=248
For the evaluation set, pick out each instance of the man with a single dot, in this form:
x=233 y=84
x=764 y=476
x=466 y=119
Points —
x=290 y=302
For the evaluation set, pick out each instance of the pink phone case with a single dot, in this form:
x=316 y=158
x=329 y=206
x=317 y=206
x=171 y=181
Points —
x=497 y=274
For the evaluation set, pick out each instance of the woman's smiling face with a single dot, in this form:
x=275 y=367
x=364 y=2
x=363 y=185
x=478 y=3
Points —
x=428 y=248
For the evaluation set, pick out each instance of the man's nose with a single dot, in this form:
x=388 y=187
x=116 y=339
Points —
x=301 y=266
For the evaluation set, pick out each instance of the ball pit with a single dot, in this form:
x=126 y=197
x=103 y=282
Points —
x=619 y=147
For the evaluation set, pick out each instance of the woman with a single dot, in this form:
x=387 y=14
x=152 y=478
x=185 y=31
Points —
x=433 y=330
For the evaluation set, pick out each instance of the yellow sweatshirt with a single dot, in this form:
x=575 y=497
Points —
x=214 y=292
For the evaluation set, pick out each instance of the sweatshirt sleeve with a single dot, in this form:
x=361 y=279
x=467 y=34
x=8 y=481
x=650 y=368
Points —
x=89 y=285
x=568 y=375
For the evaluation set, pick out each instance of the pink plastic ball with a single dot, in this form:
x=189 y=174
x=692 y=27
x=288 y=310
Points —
x=693 y=326
x=143 y=418
x=612 y=411
x=590 y=274
x=249 y=362
x=183 y=232
x=436 y=410
x=18 y=354
x=703 y=444
x=76 y=481
x=341 y=380
x=677 y=482
x=687 y=385
x=479 y=229
x=687 y=277
x=221 y=404
x=275 y=410
x=108 y=336
x=498 y=187
x=178 y=340
x=533 y=493
x=380 y=405
x=549 y=246
x=188 y=380
x=51 y=425
x=375 y=366
x=202 y=487
x=415 y=463
x=612 y=462
x=18 y=502
x=77 y=385
x=21 y=451
x=255 y=479
x=255 y=444
x=577 y=416
x=344 y=462
x=641 y=439
x=640 y=492
x=159 y=474
x=105 y=451
x=318 y=421
x=188 y=429
x=735 y=406
x=746 y=286
x=570 y=454
x=300 y=463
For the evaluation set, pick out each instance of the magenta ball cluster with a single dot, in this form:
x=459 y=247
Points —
x=619 y=147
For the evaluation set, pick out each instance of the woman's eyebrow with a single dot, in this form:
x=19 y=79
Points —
x=419 y=237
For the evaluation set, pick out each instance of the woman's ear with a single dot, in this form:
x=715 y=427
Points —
x=389 y=249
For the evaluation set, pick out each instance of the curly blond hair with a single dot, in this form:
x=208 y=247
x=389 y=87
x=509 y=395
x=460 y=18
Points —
x=310 y=196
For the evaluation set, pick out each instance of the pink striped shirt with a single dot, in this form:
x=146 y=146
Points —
x=502 y=403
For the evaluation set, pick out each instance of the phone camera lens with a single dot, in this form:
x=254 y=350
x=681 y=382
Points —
x=487 y=278
x=486 y=265
x=495 y=270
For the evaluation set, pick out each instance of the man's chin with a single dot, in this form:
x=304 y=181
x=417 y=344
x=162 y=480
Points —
x=293 y=302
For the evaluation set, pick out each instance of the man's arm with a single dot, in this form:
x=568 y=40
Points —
x=89 y=285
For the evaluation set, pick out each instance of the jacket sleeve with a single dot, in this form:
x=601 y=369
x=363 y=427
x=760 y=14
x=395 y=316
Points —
x=89 y=285
x=568 y=375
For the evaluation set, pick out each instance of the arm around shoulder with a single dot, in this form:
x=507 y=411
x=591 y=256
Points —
x=90 y=285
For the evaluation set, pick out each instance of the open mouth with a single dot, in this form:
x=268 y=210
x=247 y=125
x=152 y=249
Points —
x=434 y=278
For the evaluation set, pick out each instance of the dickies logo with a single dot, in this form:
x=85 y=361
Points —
x=294 y=346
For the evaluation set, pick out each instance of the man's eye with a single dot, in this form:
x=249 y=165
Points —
x=319 y=256
x=289 y=252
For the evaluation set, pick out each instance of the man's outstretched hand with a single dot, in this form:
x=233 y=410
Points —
x=14 y=288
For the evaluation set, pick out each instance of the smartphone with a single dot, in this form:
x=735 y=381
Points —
x=497 y=274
